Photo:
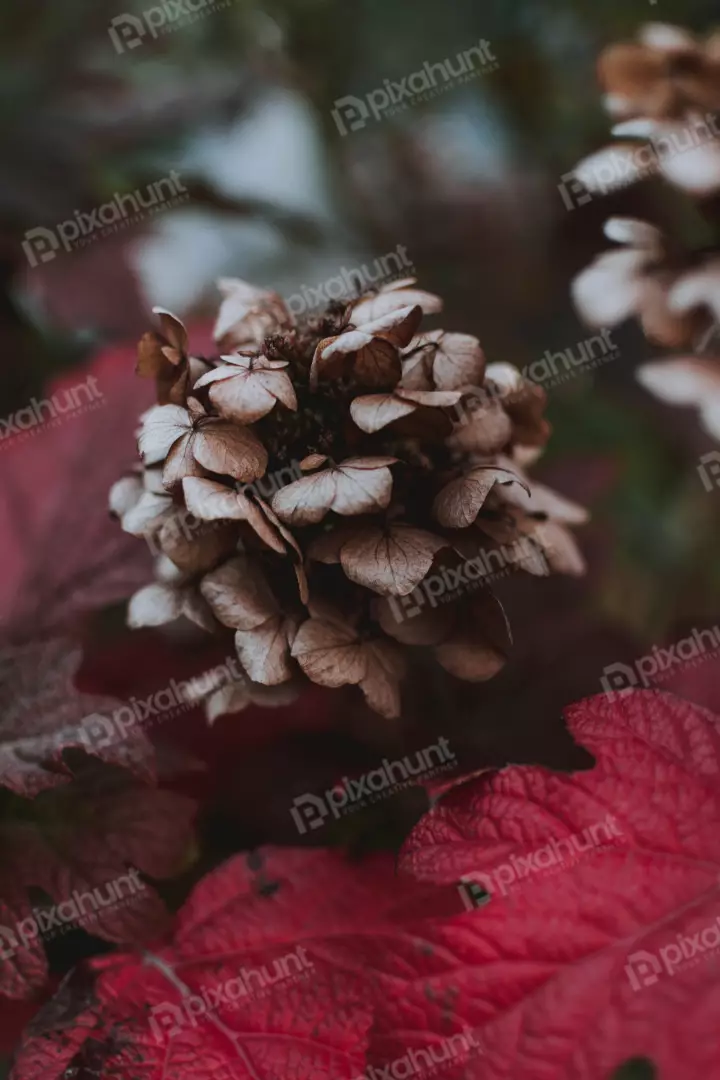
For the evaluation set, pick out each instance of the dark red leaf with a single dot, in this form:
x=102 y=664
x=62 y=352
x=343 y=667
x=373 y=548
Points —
x=600 y=938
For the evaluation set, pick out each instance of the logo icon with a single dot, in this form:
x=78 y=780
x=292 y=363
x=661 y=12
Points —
x=166 y=1020
x=643 y=969
x=473 y=895
x=350 y=114
x=308 y=811
x=40 y=245
x=97 y=731
x=617 y=678
x=709 y=470
x=126 y=32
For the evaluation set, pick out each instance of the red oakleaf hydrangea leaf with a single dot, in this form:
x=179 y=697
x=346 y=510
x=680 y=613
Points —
x=82 y=845
x=270 y=975
x=42 y=714
x=600 y=937
x=61 y=553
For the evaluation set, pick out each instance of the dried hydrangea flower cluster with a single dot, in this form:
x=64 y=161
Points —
x=302 y=484
x=666 y=89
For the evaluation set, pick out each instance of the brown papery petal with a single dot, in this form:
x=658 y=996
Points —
x=460 y=502
x=458 y=359
x=211 y=501
x=357 y=486
x=484 y=429
x=561 y=551
x=239 y=595
x=313 y=461
x=468 y=657
x=632 y=71
x=329 y=653
x=232 y=451
x=248 y=396
x=264 y=651
x=198 y=549
x=391 y=561
x=173 y=330
x=378 y=364
x=181 y=462
x=381 y=685
x=151 y=361
x=397 y=327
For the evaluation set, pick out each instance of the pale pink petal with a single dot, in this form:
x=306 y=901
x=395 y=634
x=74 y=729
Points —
x=373 y=412
x=386 y=302
x=681 y=381
x=667 y=38
x=362 y=490
x=154 y=605
x=696 y=289
x=696 y=170
x=634 y=232
x=124 y=494
x=616 y=166
x=609 y=290
x=161 y=427
x=149 y=511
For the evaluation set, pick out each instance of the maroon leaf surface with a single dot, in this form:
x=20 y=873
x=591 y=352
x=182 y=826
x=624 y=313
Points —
x=82 y=846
